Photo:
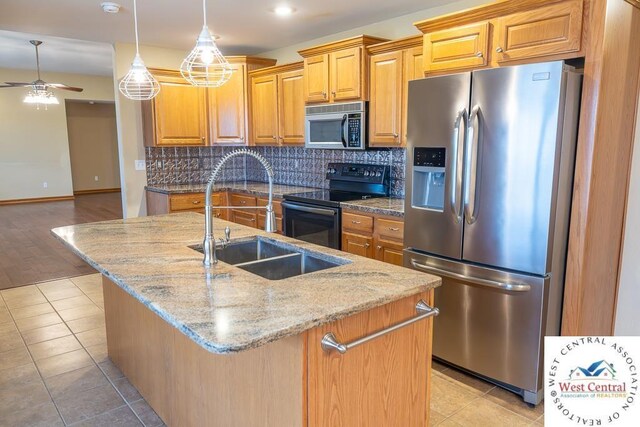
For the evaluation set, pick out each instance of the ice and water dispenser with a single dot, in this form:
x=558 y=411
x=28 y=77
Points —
x=428 y=178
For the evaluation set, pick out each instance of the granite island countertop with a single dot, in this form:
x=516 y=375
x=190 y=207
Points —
x=225 y=309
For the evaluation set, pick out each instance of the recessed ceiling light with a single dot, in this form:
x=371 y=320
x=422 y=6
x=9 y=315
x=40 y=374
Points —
x=283 y=10
x=110 y=7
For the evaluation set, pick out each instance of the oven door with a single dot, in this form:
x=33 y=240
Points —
x=326 y=130
x=313 y=224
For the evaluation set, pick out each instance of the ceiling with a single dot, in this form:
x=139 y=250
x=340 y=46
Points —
x=245 y=26
x=56 y=54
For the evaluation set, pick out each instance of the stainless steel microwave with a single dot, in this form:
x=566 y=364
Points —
x=340 y=126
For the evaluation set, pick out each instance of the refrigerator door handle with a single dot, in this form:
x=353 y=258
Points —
x=456 y=170
x=509 y=287
x=472 y=145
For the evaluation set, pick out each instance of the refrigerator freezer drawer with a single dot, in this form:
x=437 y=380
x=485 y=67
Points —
x=490 y=321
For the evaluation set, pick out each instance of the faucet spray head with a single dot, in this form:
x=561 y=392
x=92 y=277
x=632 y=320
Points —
x=270 y=220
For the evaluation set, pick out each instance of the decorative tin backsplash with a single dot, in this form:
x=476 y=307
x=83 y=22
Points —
x=291 y=165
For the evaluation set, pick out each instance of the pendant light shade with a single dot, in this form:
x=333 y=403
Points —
x=205 y=65
x=138 y=84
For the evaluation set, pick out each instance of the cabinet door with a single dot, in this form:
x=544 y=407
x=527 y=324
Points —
x=316 y=78
x=244 y=218
x=264 y=110
x=548 y=30
x=291 y=108
x=388 y=251
x=357 y=244
x=228 y=109
x=385 y=99
x=180 y=115
x=413 y=69
x=457 y=48
x=346 y=74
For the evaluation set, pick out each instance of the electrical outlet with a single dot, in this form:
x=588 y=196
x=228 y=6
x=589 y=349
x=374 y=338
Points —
x=140 y=166
x=45 y=184
x=96 y=178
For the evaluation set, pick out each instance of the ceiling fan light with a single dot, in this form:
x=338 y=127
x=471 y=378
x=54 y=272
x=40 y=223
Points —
x=139 y=84
x=41 y=97
x=205 y=65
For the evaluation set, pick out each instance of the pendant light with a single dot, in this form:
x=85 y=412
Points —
x=205 y=65
x=138 y=84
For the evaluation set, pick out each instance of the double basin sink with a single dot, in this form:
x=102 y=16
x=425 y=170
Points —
x=272 y=259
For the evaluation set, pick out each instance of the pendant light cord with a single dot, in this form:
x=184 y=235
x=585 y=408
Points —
x=204 y=12
x=135 y=23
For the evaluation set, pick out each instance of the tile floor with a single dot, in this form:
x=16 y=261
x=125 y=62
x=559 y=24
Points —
x=54 y=369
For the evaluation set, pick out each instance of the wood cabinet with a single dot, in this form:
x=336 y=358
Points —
x=277 y=105
x=503 y=33
x=186 y=115
x=457 y=48
x=544 y=31
x=392 y=65
x=373 y=236
x=177 y=116
x=159 y=203
x=337 y=71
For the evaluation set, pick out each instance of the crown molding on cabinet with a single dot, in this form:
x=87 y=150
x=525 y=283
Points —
x=394 y=45
x=635 y=3
x=293 y=66
x=357 y=41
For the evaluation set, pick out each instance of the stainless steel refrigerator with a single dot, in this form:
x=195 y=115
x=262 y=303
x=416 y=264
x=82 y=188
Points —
x=490 y=161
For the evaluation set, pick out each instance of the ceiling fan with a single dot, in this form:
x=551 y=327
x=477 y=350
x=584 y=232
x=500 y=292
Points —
x=40 y=93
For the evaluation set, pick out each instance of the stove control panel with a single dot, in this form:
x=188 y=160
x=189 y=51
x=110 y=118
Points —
x=358 y=172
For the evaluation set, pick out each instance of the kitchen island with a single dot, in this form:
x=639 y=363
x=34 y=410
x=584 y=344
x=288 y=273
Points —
x=224 y=346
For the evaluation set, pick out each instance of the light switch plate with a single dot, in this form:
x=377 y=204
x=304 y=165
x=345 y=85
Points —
x=140 y=166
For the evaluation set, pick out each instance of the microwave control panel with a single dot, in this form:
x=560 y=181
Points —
x=354 y=125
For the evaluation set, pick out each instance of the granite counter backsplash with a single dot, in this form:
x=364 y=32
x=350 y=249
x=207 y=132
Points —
x=291 y=165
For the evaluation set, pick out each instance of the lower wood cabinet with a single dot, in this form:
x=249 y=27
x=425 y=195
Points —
x=249 y=219
x=373 y=236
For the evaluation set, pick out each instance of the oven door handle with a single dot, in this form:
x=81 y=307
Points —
x=344 y=140
x=319 y=211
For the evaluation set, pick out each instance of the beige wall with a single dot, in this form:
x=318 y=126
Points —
x=33 y=143
x=93 y=145
x=394 y=28
x=129 y=120
x=628 y=310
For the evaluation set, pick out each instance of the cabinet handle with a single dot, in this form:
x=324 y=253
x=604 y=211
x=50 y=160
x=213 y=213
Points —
x=394 y=229
x=202 y=139
x=395 y=135
x=366 y=245
x=499 y=49
x=353 y=221
x=329 y=341
x=252 y=219
x=324 y=94
x=479 y=54
x=333 y=92
x=244 y=202
x=379 y=247
x=196 y=202
x=274 y=137
x=217 y=215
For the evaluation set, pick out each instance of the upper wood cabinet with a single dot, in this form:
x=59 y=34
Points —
x=493 y=35
x=337 y=72
x=457 y=48
x=392 y=65
x=177 y=116
x=186 y=115
x=545 y=31
x=277 y=105
x=227 y=109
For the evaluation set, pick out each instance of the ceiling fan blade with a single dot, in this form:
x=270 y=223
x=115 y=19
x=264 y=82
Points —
x=15 y=84
x=65 y=87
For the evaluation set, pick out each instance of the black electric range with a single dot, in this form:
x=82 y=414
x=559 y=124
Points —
x=315 y=216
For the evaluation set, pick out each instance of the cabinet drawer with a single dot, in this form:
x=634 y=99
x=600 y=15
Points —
x=244 y=218
x=357 y=244
x=390 y=229
x=357 y=222
x=277 y=207
x=242 y=200
x=183 y=202
x=457 y=48
x=548 y=30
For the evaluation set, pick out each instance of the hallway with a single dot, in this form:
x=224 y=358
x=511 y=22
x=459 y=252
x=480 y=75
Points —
x=30 y=254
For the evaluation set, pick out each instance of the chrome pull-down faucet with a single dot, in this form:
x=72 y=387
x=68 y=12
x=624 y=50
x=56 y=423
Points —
x=209 y=244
